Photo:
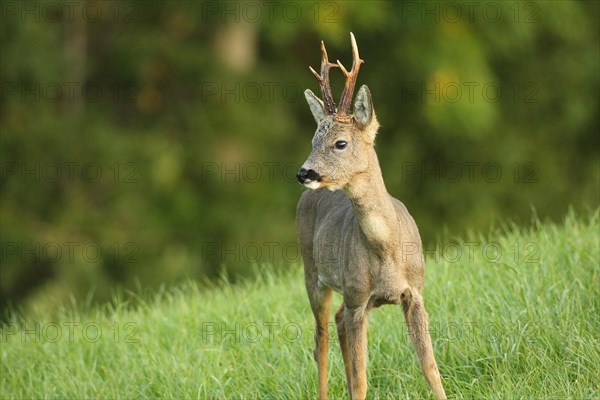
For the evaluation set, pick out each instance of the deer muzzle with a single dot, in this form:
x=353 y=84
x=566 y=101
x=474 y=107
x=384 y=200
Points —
x=309 y=178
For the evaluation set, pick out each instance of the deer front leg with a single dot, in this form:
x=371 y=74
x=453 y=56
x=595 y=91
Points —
x=356 y=331
x=320 y=304
x=418 y=328
x=343 y=338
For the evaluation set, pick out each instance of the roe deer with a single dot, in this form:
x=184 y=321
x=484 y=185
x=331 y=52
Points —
x=358 y=241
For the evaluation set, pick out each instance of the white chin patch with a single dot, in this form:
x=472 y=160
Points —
x=313 y=185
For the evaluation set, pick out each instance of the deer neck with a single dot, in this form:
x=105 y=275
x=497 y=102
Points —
x=372 y=204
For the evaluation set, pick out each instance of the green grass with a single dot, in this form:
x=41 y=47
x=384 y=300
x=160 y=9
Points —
x=517 y=325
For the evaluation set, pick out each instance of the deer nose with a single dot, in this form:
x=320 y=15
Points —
x=301 y=175
x=307 y=175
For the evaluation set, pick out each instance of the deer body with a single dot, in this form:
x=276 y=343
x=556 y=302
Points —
x=360 y=250
x=358 y=241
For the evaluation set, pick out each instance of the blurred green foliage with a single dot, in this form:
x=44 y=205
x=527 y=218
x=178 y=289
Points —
x=145 y=142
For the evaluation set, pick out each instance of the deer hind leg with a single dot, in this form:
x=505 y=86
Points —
x=343 y=339
x=356 y=332
x=320 y=303
x=418 y=328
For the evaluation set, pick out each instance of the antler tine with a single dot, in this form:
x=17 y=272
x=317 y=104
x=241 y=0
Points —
x=323 y=80
x=344 y=108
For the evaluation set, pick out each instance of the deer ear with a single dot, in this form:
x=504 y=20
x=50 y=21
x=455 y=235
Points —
x=363 y=107
x=315 y=104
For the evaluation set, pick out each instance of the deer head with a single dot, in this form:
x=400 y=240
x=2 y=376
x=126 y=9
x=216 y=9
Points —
x=343 y=140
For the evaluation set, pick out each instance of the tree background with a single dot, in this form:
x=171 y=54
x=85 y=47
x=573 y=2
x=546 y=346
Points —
x=143 y=143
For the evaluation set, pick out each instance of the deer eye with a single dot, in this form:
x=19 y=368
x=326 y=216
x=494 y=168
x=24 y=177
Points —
x=341 y=144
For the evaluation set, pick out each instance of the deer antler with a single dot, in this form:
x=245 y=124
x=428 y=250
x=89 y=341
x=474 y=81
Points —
x=344 y=108
x=323 y=80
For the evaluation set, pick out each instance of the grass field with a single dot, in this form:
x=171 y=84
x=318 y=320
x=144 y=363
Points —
x=514 y=315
